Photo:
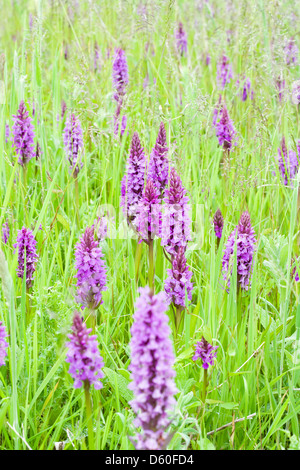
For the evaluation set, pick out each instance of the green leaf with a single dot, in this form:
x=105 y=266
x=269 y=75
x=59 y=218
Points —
x=63 y=221
x=184 y=355
x=229 y=405
x=121 y=381
x=205 y=444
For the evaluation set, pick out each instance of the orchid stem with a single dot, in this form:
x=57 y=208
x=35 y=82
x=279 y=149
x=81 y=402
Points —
x=204 y=386
x=77 y=200
x=88 y=407
x=28 y=307
x=92 y=319
x=138 y=255
x=151 y=266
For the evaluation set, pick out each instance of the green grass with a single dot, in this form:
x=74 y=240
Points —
x=255 y=382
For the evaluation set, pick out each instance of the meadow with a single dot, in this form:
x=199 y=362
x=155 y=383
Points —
x=193 y=339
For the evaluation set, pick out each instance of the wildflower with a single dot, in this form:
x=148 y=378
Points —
x=132 y=185
x=26 y=243
x=181 y=40
x=243 y=237
x=91 y=271
x=280 y=85
x=224 y=72
x=148 y=219
x=176 y=221
x=296 y=92
x=287 y=162
x=207 y=59
x=83 y=355
x=159 y=163
x=178 y=285
x=218 y=222
x=23 y=135
x=119 y=74
x=225 y=130
x=206 y=352
x=7 y=133
x=291 y=52
x=103 y=226
x=5 y=232
x=152 y=372
x=246 y=91
x=73 y=143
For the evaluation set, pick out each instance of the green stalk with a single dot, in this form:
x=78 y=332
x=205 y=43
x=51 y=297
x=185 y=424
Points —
x=151 y=266
x=25 y=178
x=138 y=255
x=178 y=315
x=92 y=319
x=88 y=407
x=203 y=397
x=24 y=191
x=28 y=306
x=204 y=388
x=77 y=200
